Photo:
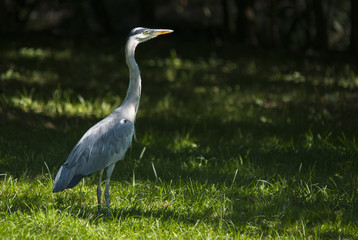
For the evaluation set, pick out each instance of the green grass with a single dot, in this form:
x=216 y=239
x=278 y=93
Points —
x=233 y=144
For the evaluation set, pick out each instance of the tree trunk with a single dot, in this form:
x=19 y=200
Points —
x=353 y=46
x=309 y=14
x=4 y=18
x=102 y=15
x=274 y=32
x=246 y=22
x=225 y=8
x=321 y=25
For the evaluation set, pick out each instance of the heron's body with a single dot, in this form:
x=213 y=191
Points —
x=107 y=142
x=101 y=146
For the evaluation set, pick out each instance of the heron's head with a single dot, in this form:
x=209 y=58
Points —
x=144 y=34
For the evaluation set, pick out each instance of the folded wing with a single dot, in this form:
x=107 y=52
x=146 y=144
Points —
x=102 y=145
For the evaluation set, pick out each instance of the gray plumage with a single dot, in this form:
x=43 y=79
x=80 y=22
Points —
x=107 y=142
x=102 y=145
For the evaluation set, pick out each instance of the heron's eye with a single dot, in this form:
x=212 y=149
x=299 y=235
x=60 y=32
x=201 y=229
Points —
x=145 y=31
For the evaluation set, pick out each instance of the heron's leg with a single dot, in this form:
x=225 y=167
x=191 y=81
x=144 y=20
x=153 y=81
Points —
x=106 y=191
x=99 y=192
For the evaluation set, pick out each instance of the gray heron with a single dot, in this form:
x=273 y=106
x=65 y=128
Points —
x=107 y=142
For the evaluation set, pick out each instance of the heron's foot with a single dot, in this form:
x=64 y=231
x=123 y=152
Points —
x=99 y=209
x=109 y=213
x=106 y=195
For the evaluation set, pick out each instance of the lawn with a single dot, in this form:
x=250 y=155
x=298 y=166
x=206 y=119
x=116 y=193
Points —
x=231 y=142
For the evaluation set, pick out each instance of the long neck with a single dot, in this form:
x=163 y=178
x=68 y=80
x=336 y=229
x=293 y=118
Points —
x=134 y=90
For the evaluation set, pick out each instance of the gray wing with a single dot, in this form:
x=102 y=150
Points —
x=102 y=145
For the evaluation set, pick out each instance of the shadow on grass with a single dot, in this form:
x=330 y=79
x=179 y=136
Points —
x=216 y=151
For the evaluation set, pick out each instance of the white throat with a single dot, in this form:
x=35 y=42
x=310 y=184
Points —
x=132 y=99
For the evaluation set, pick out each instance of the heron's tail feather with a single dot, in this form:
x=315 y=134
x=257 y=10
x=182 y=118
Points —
x=66 y=178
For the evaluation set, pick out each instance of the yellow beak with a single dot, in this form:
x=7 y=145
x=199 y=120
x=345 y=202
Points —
x=157 y=32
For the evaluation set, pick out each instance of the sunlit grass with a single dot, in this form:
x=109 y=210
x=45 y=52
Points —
x=255 y=146
x=62 y=103
x=34 y=76
x=37 y=53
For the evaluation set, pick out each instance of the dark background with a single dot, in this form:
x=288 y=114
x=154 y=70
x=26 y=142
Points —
x=309 y=25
